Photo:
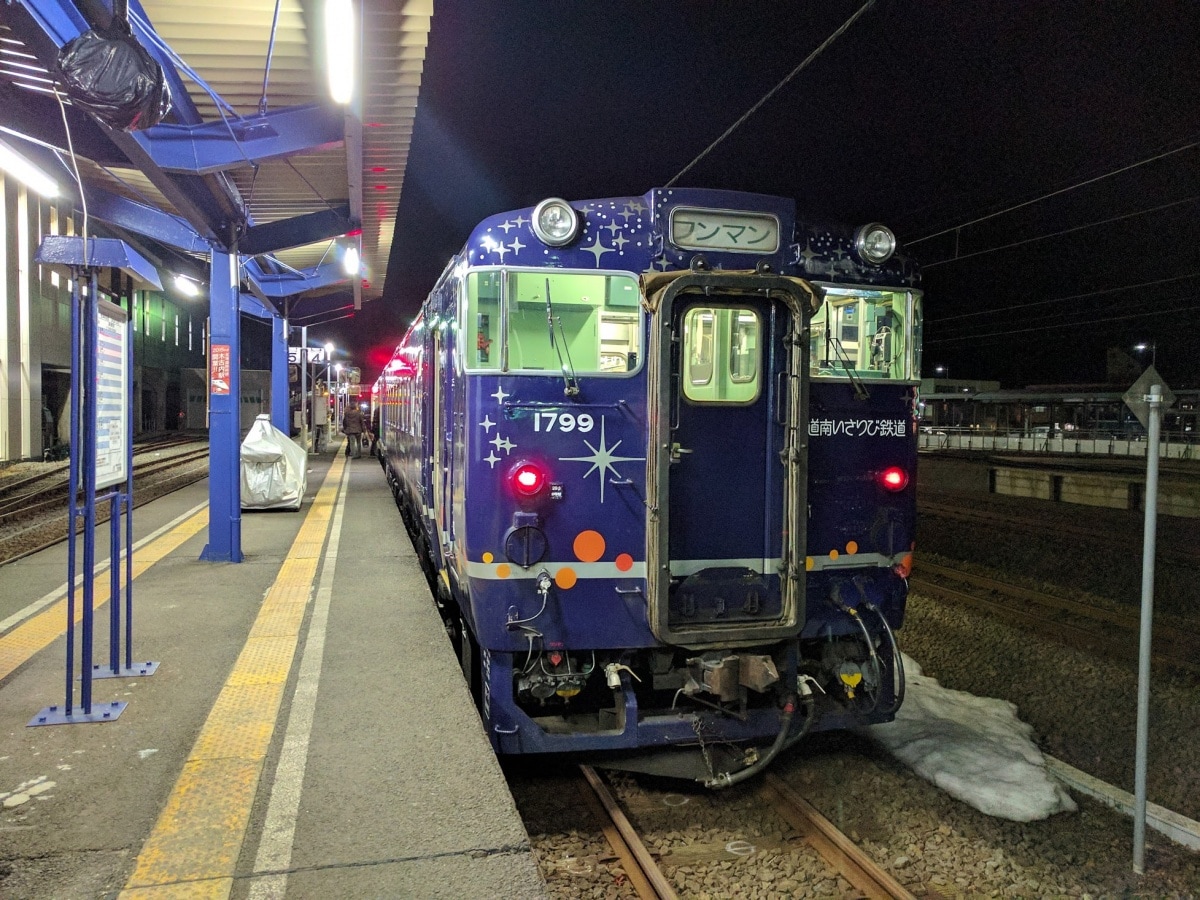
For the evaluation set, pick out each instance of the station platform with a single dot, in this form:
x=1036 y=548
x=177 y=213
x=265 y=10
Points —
x=307 y=733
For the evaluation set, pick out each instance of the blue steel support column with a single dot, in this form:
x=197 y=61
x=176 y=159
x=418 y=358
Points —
x=279 y=375
x=224 y=425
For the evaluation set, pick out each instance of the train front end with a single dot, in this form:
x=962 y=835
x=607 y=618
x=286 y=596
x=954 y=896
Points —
x=630 y=502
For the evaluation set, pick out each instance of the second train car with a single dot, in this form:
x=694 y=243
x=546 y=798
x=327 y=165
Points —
x=657 y=454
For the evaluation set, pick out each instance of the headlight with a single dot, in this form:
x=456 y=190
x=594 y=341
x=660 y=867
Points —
x=874 y=244
x=555 y=222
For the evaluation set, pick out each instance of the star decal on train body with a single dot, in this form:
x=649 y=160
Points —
x=603 y=459
x=597 y=249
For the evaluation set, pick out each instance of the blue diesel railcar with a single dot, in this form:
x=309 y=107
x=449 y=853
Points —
x=657 y=455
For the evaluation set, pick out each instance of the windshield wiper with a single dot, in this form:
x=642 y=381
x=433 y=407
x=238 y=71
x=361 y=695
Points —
x=860 y=389
x=570 y=381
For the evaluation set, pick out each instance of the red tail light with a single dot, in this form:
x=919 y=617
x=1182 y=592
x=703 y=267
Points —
x=893 y=478
x=528 y=479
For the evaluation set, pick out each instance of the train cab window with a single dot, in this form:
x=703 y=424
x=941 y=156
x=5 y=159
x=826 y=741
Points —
x=483 y=320
x=551 y=320
x=866 y=333
x=721 y=355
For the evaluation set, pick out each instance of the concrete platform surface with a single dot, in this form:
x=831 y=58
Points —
x=307 y=733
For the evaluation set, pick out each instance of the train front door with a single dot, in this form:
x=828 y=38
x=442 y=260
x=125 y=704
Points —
x=734 y=394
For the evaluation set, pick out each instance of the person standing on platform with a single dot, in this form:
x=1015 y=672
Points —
x=320 y=421
x=352 y=426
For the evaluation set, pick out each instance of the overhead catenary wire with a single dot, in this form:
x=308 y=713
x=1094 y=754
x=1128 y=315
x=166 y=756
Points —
x=1071 y=230
x=771 y=93
x=1064 y=299
x=1055 y=193
x=1071 y=317
x=1070 y=324
x=1073 y=320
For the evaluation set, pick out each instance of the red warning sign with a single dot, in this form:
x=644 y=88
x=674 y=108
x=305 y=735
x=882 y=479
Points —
x=219 y=369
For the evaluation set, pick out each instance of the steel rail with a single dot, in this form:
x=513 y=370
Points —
x=644 y=874
x=1118 y=646
x=850 y=861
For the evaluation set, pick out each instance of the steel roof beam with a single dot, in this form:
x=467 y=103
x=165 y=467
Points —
x=286 y=284
x=147 y=221
x=296 y=231
x=254 y=307
x=220 y=146
x=58 y=20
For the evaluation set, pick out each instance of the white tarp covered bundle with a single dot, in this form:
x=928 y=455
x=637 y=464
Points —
x=274 y=468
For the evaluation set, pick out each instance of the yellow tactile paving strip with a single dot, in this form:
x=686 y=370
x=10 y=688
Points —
x=22 y=642
x=194 y=847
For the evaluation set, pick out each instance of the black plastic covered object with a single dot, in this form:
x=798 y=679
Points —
x=109 y=74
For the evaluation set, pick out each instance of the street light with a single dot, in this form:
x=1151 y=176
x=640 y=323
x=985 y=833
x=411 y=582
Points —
x=1152 y=347
x=942 y=370
x=328 y=362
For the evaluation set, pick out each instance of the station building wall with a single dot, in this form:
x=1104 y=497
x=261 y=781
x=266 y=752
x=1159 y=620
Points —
x=169 y=336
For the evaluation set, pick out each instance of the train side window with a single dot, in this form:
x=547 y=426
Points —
x=721 y=355
x=866 y=332
x=483 y=320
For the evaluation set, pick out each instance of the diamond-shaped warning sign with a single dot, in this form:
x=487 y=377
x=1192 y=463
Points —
x=1135 y=397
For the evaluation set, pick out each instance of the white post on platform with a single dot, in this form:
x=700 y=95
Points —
x=304 y=403
x=1154 y=402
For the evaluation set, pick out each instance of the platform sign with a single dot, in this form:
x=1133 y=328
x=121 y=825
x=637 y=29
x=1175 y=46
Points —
x=314 y=355
x=112 y=395
x=219 y=369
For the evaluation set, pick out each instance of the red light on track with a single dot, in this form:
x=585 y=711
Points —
x=528 y=479
x=893 y=478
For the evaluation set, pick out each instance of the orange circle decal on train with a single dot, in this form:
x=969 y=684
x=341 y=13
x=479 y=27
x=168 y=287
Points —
x=589 y=546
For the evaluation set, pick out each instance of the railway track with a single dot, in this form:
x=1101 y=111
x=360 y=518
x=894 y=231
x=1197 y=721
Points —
x=646 y=873
x=1110 y=631
x=33 y=510
x=958 y=508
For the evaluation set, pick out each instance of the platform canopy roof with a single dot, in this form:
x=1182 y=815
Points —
x=253 y=150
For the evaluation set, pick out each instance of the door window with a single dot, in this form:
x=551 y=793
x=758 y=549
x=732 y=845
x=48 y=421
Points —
x=721 y=348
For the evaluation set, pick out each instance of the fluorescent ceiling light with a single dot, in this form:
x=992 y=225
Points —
x=350 y=261
x=186 y=286
x=339 y=49
x=26 y=172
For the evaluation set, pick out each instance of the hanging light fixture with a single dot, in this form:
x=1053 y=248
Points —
x=186 y=286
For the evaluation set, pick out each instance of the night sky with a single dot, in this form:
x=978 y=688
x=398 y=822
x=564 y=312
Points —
x=1052 y=147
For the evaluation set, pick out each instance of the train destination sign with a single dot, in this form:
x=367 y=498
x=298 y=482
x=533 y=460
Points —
x=718 y=229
